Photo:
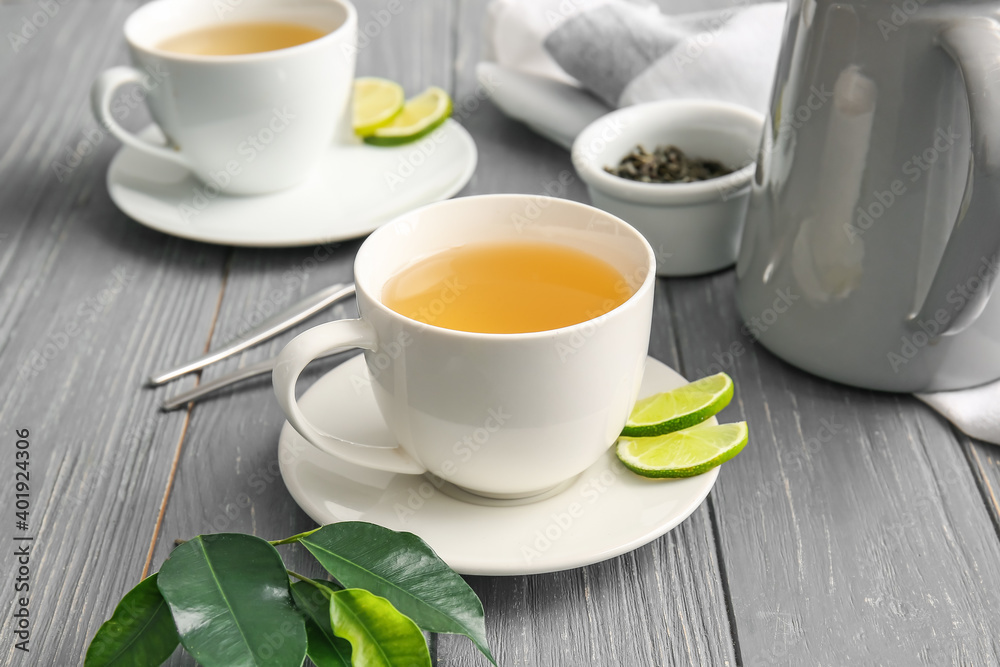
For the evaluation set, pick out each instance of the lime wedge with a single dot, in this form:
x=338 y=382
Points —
x=683 y=407
x=420 y=116
x=683 y=453
x=376 y=102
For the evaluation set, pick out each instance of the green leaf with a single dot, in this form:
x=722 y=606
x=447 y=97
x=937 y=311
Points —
x=141 y=631
x=231 y=602
x=324 y=647
x=380 y=636
x=403 y=569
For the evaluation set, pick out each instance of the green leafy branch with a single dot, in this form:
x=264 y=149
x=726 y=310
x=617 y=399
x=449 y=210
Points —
x=229 y=601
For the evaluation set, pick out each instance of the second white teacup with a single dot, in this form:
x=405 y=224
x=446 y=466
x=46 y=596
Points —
x=244 y=124
x=504 y=415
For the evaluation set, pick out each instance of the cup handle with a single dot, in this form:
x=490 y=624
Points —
x=312 y=344
x=101 y=93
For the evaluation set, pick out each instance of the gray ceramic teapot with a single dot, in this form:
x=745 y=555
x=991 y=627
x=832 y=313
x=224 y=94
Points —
x=870 y=247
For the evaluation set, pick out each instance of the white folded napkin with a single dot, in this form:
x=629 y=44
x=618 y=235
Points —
x=558 y=65
x=549 y=59
x=975 y=411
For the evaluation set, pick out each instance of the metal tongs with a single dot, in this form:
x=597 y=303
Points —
x=294 y=314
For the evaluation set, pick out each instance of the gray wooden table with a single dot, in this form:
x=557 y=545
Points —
x=856 y=528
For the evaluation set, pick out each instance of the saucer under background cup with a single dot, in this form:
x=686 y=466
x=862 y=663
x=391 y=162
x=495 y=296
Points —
x=355 y=189
x=606 y=511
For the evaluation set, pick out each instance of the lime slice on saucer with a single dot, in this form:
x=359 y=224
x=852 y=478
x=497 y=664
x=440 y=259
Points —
x=420 y=115
x=376 y=102
x=681 y=408
x=683 y=453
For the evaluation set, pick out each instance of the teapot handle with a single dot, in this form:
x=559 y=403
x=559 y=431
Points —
x=968 y=268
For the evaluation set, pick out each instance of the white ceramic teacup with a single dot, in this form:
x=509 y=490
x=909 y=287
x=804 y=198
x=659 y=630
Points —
x=500 y=415
x=245 y=124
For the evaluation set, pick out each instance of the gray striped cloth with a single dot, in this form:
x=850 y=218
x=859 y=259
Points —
x=625 y=52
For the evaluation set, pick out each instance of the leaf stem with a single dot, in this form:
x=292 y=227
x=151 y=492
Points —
x=293 y=538
x=273 y=543
x=323 y=589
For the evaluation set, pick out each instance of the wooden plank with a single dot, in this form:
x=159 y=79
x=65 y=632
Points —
x=985 y=460
x=851 y=528
x=511 y=157
x=662 y=604
x=228 y=478
x=90 y=303
x=658 y=605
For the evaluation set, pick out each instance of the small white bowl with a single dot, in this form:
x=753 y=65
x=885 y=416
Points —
x=693 y=227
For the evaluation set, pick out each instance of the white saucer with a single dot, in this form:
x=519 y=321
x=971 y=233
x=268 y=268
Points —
x=356 y=189
x=605 y=512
